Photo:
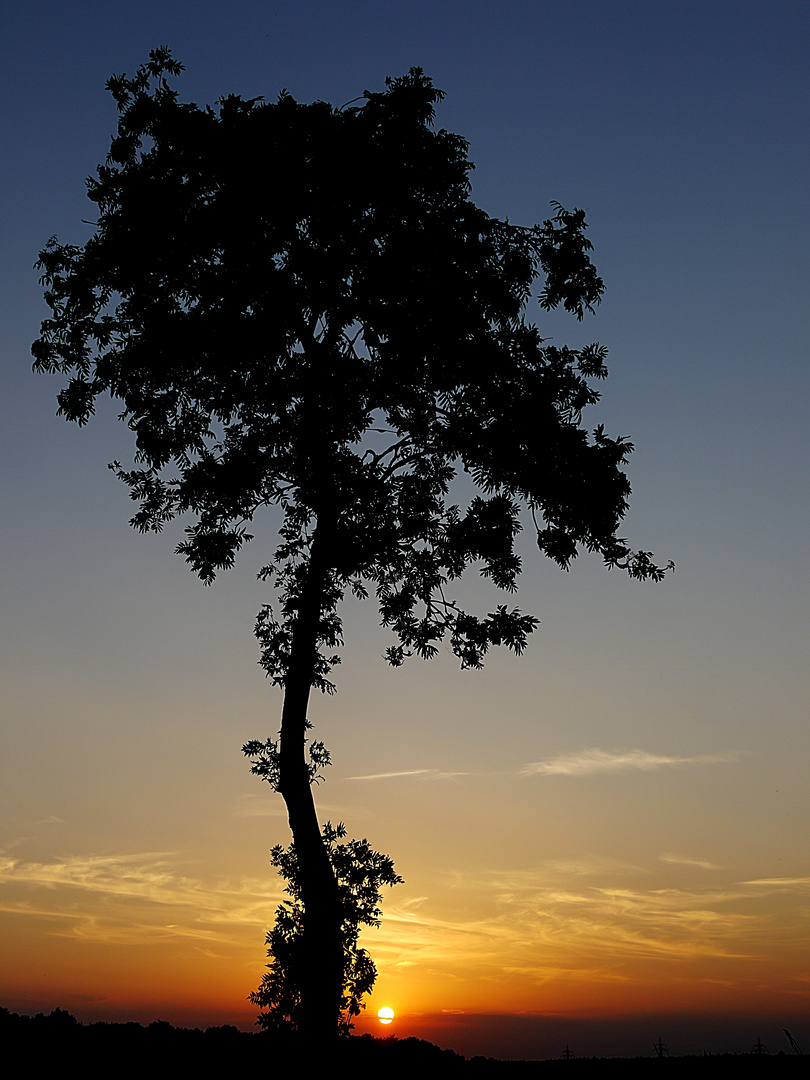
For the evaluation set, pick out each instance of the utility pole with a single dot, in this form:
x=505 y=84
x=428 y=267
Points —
x=661 y=1049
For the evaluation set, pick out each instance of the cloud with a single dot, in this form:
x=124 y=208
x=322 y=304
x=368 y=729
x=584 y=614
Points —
x=128 y=897
x=685 y=860
x=433 y=774
x=537 y=927
x=549 y=923
x=265 y=805
x=780 y=882
x=144 y=875
x=592 y=761
x=581 y=763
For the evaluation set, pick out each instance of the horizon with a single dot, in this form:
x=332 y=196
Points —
x=511 y=1037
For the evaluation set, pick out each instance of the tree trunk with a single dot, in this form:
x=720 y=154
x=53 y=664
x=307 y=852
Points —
x=322 y=974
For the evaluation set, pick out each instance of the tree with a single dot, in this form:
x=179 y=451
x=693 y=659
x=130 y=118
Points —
x=360 y=872
x=300 y=306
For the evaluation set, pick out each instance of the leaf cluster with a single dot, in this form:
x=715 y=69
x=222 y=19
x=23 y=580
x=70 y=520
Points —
x=265 y=759
x=360 y=873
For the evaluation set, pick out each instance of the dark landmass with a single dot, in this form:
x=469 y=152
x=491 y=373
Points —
x=127 y=1049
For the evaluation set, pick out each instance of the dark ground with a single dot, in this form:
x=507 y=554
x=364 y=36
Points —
x=124 y=1050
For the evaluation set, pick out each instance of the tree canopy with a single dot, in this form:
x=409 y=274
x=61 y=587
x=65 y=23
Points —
x=300 y=306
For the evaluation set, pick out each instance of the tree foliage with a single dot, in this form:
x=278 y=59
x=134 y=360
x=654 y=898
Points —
x=269 y=282
x=360 y=873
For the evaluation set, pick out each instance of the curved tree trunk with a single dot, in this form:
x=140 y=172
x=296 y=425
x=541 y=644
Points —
x=322 y=974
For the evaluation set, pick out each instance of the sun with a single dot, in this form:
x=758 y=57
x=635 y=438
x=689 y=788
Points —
x=385 y=1015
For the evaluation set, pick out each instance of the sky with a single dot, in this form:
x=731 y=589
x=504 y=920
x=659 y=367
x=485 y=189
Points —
x=603 y=841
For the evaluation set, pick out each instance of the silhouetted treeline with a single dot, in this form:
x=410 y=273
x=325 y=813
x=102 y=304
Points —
x=124 y=1049
x=127 y=1049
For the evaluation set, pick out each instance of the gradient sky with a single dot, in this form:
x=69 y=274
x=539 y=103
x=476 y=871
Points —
x=603 y=841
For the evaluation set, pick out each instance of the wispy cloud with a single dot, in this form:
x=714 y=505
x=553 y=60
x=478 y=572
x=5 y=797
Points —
x=124 y=898
x=432 y=774
x=594 y=921
x=264 y=805
x=579 y=763
x=145 y=874
x=545 y=925
x=780 y=882
x=591 y=761
x=686 y=860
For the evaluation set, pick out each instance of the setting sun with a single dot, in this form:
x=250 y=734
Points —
x=385 y=1015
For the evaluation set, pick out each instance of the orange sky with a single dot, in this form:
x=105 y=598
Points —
x=560 y=946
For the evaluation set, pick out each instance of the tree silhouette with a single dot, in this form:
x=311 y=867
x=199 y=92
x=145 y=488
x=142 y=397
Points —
x=360 y=873
x=300 y=306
